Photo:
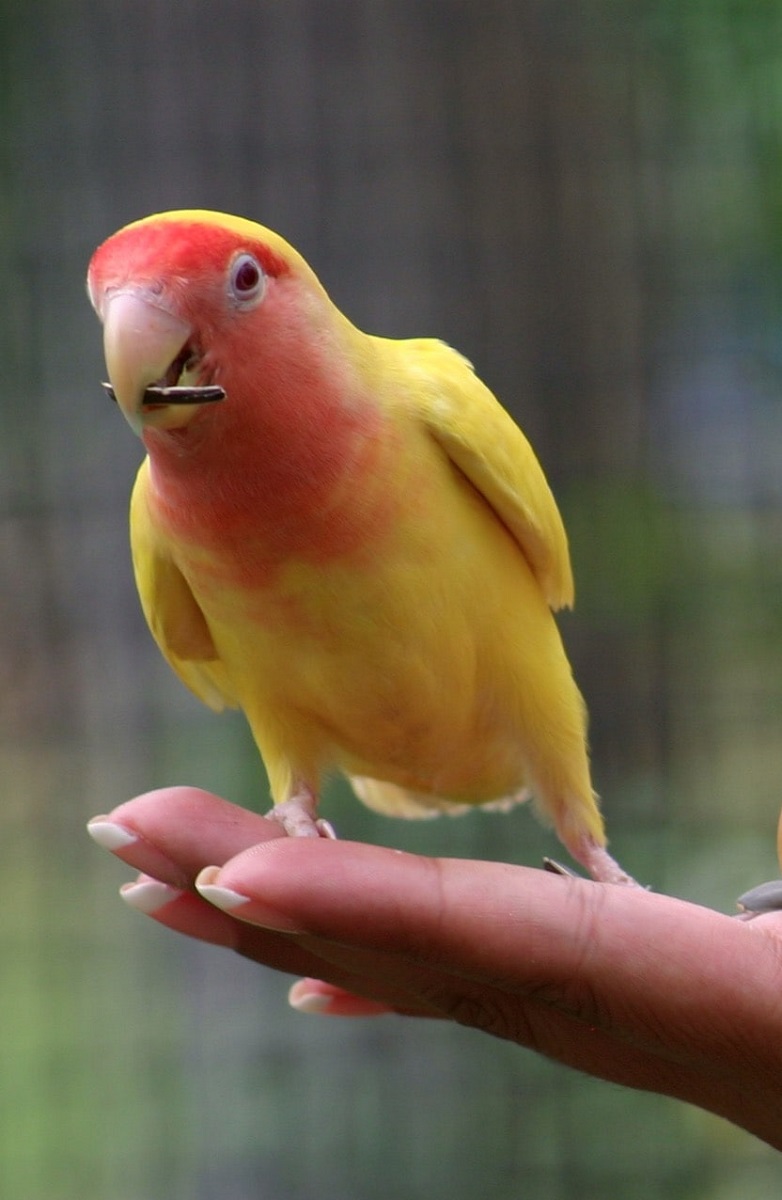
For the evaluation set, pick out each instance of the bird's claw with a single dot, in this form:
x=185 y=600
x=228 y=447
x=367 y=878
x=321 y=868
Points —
x=298 y=819
x=620 y=878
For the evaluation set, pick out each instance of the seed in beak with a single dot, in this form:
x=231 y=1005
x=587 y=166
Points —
x=208 y=394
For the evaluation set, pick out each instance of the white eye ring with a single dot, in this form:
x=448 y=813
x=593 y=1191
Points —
x=246 y=281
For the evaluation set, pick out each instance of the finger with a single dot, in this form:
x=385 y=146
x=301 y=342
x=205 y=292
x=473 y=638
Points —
x=317 y=996
x=184 y=911
x=169 y=835
x=630 y=986
x=627 y=985
x=172 y=833
x=179 y=909
x=609 y=955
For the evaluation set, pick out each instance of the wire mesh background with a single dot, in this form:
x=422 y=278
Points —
x=584 y=199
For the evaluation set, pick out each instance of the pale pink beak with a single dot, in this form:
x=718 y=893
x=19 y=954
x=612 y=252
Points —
x=140 y=342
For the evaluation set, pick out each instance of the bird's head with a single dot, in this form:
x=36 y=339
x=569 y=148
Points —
x=189 y=300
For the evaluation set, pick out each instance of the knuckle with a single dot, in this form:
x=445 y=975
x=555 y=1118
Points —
x=492 y=1014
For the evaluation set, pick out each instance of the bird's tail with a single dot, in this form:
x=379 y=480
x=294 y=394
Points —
x=395 y=801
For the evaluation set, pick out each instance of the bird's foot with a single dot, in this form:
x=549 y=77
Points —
x=595 y=859
x=765 y=898
x=298 y=816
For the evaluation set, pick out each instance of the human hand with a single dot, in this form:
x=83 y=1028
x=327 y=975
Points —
x=638 y=988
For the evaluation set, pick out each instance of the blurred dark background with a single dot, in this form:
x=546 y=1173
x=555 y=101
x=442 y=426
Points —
x=586 y=200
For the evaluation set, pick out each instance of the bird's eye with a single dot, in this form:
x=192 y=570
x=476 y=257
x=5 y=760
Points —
x=247 y=280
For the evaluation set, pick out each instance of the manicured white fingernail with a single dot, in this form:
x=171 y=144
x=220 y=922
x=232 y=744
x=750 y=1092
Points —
x=109 y=835
x=149 y=895
x=221 y=897
x=308 y=1002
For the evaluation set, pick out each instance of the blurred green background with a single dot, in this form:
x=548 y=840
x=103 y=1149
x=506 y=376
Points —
x=586 y=199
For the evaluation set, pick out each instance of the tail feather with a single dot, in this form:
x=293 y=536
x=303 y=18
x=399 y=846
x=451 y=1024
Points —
x=395 y=801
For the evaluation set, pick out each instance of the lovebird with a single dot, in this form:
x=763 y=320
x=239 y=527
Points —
x=344 y=535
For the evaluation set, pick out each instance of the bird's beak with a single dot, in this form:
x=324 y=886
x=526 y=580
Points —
x=145 y=345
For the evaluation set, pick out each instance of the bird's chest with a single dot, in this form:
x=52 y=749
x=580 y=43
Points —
x=351 y=598
x=287 y=594
x=316 y=623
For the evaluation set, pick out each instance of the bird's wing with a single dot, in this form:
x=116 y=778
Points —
x=177 y=623
x=487 y=446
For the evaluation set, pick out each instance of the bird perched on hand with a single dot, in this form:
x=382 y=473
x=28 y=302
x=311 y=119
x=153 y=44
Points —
x=344 y=535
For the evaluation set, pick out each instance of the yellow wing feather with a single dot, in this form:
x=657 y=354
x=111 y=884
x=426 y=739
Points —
x=484 y=442
x=172 y=612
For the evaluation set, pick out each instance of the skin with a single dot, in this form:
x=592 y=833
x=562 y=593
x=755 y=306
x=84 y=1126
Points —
x=633 y=987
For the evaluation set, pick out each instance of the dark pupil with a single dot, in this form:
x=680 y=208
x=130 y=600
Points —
x=246 y=277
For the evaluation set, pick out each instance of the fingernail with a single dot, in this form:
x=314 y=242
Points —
x=221 y=897
x=245 y=907
x=306 y=1001
x=148 y=896
x=109 y=835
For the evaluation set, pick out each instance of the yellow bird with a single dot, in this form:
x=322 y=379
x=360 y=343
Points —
x=344 y=535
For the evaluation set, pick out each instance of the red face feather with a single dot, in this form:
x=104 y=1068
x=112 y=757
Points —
x=271 y=472
x=144 y=252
